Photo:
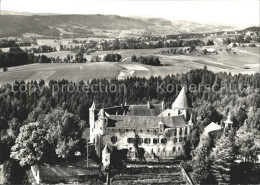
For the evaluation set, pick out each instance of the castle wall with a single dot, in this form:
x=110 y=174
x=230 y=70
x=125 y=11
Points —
x=172 y=149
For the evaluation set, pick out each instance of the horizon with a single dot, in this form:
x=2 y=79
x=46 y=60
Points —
x=218 y=12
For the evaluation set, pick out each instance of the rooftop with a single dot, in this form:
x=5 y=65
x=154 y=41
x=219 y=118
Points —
x=140 y=122
x=181 y=101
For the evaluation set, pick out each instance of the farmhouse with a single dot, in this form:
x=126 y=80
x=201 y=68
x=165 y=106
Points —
x=151 y=131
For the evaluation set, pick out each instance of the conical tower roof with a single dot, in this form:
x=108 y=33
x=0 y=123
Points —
x=106 y=150
x=93 y=107
x=181 y=101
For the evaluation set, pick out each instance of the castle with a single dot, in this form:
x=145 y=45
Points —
x=152 y=130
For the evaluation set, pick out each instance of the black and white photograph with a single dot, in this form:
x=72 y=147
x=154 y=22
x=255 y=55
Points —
x=130 y=92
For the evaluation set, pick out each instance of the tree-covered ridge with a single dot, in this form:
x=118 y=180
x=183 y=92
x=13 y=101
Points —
x=45 y=106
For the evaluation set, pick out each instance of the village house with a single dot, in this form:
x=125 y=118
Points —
x=158 y=132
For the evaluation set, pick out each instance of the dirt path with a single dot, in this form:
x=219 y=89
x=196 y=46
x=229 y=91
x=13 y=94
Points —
x=129 y=70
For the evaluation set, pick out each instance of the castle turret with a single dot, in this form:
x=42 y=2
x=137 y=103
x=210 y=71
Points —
x=228 y=122
x=181 y=105
x=92 y=122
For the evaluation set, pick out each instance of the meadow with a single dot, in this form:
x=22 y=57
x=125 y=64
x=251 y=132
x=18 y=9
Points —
x=239 y=60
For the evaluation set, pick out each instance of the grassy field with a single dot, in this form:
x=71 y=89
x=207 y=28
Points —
x=244 y=60
x=74 y=72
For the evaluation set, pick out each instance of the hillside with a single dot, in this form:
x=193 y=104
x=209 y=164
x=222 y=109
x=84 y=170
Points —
x=254 y=28
x=15 y=25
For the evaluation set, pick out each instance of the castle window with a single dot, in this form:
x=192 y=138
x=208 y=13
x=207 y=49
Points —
x=175 y=140
x=148 y=131
x=180 y=132
x=126 y=130
x=155 y=141
x=185 y=139
x=147 y=140
x=180 y=139
x=169 y=114
x=113 y=139
x=130 y=148
x=173 y=149
x=130 y=140
x=139 y=140
x=141 y=130
x=175 y=132
x=163 y=140
x=185 y=131
x=179 y=148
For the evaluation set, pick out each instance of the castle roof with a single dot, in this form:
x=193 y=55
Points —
x=181 y=101
x=135 y=110
x=93 y=106
x=144 y=110
x=142 y=122
x=212 y=127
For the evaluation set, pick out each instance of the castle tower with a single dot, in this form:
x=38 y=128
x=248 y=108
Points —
x=92 y=122
x=101 y=121
x=228 y=122
x=106 y=157
x=181 y=105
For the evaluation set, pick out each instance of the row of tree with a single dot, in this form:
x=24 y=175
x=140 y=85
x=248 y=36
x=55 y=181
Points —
x=15 y=57
x=6 y=43
x=147 y=60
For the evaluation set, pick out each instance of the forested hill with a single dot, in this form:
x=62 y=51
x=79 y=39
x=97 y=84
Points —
x=254 y=28
x=15 y=25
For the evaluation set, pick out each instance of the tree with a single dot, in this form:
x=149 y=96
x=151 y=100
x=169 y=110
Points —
x=5 y=69
x=56 y=135
x=195 y=137
x=204 y=51
x=245 y=142
x=95 y=59
x=79 y=57
x=201 y=162
x=64 y=132
x=210 y=42
x=223 y=157
x=31 y=146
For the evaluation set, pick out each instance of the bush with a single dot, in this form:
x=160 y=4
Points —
x=149 y=60
x=112 y=57
x=5 y=69
x=186 y=165
x=251 y=45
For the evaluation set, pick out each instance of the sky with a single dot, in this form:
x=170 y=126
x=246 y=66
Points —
x=236 y=12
